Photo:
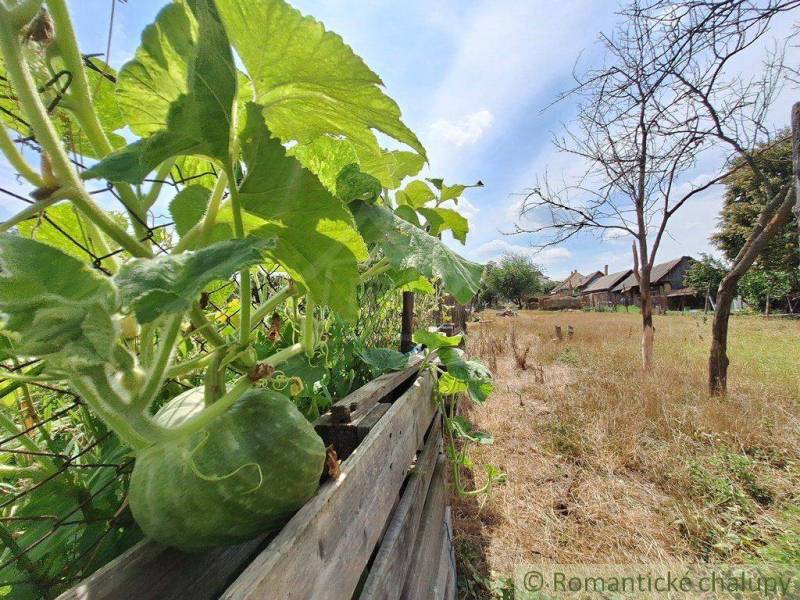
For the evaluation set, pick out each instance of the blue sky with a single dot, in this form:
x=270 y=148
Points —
x=472 y=78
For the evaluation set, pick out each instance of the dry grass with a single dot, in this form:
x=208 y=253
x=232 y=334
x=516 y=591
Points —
x=605 y=466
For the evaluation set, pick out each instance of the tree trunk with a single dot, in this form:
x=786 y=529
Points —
x=718 y=358
x=770 y=220
x=796 y=159
x=648 y=333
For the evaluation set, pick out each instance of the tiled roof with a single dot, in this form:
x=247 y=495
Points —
x=659 y=272
x=606 y=282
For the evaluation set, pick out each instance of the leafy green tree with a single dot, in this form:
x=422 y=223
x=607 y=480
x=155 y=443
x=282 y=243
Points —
x=760 y=288
x=706 y=274
x=744 y=201
x=516 y=278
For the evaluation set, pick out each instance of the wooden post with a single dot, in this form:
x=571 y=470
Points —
x=407 y=322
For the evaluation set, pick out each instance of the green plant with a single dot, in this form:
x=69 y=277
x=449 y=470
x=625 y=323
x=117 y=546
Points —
x=516 y=278
x=705 y=275
x=286 y=173
x=455 y=376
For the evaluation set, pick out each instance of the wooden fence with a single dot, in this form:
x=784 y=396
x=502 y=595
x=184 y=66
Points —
x=381 y=530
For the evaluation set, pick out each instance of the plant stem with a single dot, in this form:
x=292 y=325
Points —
x=16 y=159
x=158 y=371
x=46 y=135
x=378 y=268
x=135 y=430
x=210 y=218
x=308 y=327
x=273 y=302
x=23 y=13
x=194 y=364
x=205 y=327
x=214 y=384
x=245 y=287
x=29 y=212
x=83 y=107
x=155 y=189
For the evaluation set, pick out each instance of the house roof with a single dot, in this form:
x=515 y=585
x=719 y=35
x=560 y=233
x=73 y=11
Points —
x=660 y=271
x=606 y=282
x=575 y=281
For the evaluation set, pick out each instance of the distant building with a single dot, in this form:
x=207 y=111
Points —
x=574 y=284
x=599 y=292
x=666 y=285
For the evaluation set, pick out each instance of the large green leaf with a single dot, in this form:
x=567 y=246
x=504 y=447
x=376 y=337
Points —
x=60 y=227
x=415 y=194
x=153 y=287
x=55 y=306
x=327 y=156
x=188 y=207
x=435 y=339
x=441 y=219
x=309 y=80
x=185 y=65
x=406 y=245
x=383 y=360
x=317 y=241
x=474 y=375
x=392 y=166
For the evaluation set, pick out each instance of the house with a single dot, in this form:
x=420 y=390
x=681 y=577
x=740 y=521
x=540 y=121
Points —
x=599 y=292
x=574 y=284
x=665 y=279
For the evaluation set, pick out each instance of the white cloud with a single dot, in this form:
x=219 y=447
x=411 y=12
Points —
x=467 y=130
x=544 y=256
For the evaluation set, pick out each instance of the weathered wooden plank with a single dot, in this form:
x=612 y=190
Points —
x=371 y=419
x=428 y=545
x=359 y=402
x=150 y=571
x=351 y=418
x=390 y=568
x=321 y=553
x=450 y=591
x=440 y=586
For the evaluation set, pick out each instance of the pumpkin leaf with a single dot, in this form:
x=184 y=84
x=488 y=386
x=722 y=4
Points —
x=415 y=194
x=464 y=428
x=474 y=375
x=185 y=65
x=310 y=81
x=433 y=339
x=55 y=306
x=442 y=219
x=316 y=239
x=188 y=206
x=406 y=245
x=383 y=360
x=167 y=284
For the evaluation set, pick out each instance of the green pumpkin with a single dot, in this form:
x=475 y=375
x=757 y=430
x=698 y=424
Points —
x=244 y=474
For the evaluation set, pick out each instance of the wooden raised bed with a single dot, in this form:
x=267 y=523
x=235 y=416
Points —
x=380 y=530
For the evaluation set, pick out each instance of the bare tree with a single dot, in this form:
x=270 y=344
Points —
x=663 y=99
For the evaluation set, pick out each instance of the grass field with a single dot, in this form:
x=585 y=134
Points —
x=607 y=467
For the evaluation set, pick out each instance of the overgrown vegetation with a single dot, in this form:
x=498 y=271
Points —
x=197 y=350
x=609 y=468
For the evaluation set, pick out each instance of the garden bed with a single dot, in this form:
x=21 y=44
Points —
x=361 y=536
